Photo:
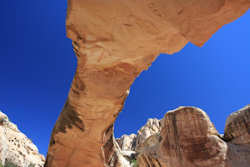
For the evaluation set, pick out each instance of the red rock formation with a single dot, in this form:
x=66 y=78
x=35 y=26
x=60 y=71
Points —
x=115 y=40
x=188 y=138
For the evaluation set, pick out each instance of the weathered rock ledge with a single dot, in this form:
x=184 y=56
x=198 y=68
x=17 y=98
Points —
x=16 y=150
x=115 y=40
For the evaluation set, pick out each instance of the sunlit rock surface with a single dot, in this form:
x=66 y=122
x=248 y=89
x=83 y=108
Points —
x=114 y=41
x=127 y=142
x=16 y=148
x=135 y=141
x=188 y=138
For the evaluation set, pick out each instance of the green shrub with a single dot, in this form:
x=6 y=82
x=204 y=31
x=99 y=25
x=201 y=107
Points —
x=32 y=165
x=9 y=164
x=134 y=163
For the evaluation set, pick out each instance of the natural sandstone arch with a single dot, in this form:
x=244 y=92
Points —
x=115 y=40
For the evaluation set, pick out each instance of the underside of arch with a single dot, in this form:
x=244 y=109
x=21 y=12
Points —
x=114 y=41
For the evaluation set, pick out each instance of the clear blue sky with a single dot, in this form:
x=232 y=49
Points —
x=37 y=65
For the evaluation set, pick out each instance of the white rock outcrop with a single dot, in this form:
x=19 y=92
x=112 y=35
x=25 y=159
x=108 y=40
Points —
x=133 y=141
x=16 y=148
x=127 y=142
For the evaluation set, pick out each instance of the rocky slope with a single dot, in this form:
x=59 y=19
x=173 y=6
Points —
x=130 y=145
x=187 y=137
x=16 y=148
x=135 y=141
x=114 y=41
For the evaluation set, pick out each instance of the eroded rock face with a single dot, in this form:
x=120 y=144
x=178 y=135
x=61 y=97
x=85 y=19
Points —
x=237 y=128
x=135 y=141
x=188 y=138
x=16 y=148
x=237 y=134
x=128 y=146
x=115 y=40
x=127 y=142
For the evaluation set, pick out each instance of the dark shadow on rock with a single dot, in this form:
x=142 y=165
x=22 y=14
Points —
x=238 y=155
x=68 y=118
x=49 y=160
x=108 y=146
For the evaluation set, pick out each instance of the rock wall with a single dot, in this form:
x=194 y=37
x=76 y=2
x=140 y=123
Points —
x=188 y=138
x=133 y=142
x=130 y=146
x=114 y=41
x=16 y=148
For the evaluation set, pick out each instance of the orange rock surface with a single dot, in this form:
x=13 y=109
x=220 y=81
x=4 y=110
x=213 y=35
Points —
x=114 y=41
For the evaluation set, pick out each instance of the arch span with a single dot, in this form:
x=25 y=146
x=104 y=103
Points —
x=114 y=41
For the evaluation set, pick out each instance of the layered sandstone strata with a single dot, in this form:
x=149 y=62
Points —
x=115 y=40
x=16 y=148
x=188 y=138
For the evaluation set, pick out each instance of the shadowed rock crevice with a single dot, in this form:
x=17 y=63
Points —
x=238 y=126
x=78 y=87
x=108 y=140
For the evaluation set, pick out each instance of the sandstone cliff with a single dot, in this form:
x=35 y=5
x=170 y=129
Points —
x=114 y=41
x=186 y=137
x=15 y=148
